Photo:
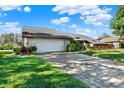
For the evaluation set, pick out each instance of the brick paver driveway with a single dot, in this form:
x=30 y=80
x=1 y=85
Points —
x=95 y=72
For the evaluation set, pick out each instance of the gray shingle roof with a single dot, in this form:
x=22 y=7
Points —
x=81 y=37
x=28 y=31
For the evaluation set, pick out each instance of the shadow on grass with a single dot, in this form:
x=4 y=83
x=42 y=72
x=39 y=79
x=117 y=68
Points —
x=33 y=72
x=109 y=55
x=115 y=57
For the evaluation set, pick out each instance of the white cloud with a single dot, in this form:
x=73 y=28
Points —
x=87 y=32
x=62 y=20
x=10 y=27
x=3 y=14
x=15 y=7
x=4 y=8
x=97 y=19
x=83 y=31
x=27 y=9
x=19 y=9
x=10 y=7
x=11 y=24
x=89 y=14
x=82 y=9
x=74 y=26
x=82 y=18
x=65 y=9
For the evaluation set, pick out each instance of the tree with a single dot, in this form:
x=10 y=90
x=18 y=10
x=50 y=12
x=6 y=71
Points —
x=10 y=37
x=117 y=23
x=104 y=35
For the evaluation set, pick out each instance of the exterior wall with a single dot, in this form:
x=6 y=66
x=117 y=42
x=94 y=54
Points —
x=91 y=45
x=48 y=45
x=116 y=44
x=25 y=43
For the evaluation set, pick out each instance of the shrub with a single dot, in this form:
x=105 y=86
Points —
x=1 y=46
x=8 y=46
x=23 y=50
x=71 y=48
x=17 y=50
x=122 y=44
x=87 y=46
x=78 y=45
x=32 y=49
x=83 y=48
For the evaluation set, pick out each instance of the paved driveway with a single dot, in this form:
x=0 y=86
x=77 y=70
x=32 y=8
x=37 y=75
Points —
x=95 y=72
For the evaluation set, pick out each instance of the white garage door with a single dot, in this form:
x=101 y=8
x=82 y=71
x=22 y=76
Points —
x=48 y=45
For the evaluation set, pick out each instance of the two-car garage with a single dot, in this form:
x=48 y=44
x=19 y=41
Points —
x=48 y=45
x=45 y=39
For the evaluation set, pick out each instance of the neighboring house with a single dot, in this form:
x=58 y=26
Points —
x=112 y=40
x=50 y=40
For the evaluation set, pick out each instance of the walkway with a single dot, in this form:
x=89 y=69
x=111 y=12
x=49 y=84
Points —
x=95 y=72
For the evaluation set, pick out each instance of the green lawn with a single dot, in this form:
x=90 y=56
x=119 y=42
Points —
x=113 y=54
x=33 y=72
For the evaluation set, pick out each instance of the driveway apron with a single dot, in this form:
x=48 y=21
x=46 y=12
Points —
x=95 y=72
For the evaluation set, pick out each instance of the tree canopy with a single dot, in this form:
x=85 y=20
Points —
x=104 y=35
x=117 y=23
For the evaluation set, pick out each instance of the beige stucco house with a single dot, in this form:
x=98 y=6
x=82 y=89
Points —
x=50 y=40
x=112 y=40
x=45 y=39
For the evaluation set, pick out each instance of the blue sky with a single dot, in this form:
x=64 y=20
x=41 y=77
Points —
x=88 y=20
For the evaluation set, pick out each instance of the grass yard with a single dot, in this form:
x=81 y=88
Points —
x=113 y=54
x=33 y=72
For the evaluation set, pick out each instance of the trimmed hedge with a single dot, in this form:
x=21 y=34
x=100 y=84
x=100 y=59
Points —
x=6 y=51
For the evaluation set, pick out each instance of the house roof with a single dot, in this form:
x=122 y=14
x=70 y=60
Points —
x=81 y=37
x=36 y=32
x=110 y=39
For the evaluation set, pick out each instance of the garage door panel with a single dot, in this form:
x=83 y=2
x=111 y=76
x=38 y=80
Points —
x=48 y=45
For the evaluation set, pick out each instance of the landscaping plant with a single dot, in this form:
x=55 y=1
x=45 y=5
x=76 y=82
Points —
x=10 y=46
x=24 y=50
x=32 y=49
x=122 y=44
x=73 y=46
x=77 y=44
